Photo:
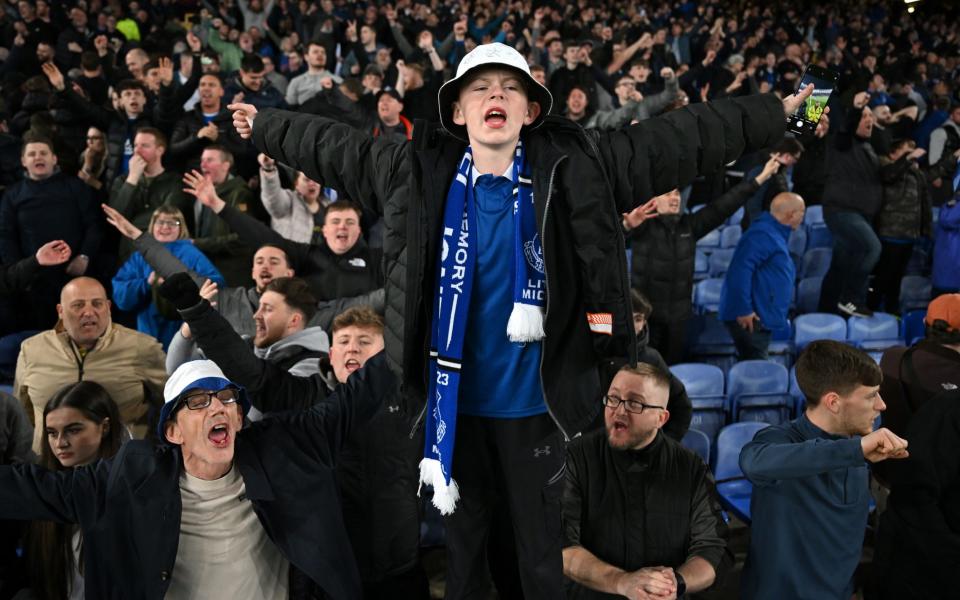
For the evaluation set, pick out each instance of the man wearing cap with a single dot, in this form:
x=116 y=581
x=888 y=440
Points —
x=477 y=240
x=220 y=509
x=914 y=375
x=918 y=549
x=389 y=120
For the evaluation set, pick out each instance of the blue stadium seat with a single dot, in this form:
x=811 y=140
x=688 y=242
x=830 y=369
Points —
x=706 y=295
x=701 y=266
x=720 y=261
x=808 y=295
x=699 y=442
x=913 y=327
x=915 y=293
x=780 y=349
x=816 y=262
x=813 y=216
x=758 y=390
x=736 y=217
x=800 y=402
x=711 y=342
x=733 y=488
x=818 y=326
x=709 y=242
x=729 y=236
x=705 y=387
x=818 y=236
x=875 y=333
x=798 y=242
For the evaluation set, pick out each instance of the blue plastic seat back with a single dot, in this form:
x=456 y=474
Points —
x=730 y=441
x=757 y=377
x=729 y=236
x=700 y=380
x=808 y=294
x=915 y=292
x=816 y=262
x=701 y=265
x=720 y=261
x=707 y=294
x=913 y=326
x=797 y=244
x=818 y=326
x=709 y=242
x=813 y=215
x=818 y=236
x=699 y=442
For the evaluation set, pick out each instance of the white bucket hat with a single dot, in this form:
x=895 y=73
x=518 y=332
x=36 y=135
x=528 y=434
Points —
x=482 y=56
x=192 y=375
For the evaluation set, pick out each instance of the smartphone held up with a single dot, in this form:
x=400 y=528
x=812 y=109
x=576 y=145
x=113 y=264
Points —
x=804 y=121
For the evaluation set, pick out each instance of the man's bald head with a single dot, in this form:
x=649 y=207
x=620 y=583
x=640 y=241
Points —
x=788 y=208
x=84 y=310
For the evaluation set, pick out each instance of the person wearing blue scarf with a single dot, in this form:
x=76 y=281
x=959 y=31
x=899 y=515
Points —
x=506 y=278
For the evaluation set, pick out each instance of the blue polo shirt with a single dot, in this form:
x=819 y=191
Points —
x=499 y=378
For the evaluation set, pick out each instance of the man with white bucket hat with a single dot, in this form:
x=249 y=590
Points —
x=507 y=278
x=220 y=509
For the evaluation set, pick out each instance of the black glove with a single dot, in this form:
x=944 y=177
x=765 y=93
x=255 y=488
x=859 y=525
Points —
x=181 y=290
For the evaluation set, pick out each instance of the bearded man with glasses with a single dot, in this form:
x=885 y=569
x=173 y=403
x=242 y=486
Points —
x=221 y=509
x=640 y=512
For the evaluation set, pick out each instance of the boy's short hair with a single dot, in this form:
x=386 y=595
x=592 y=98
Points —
x=225 y=154
x=296 y=293
x=788 y=145
x=829 y=366
x=31 y=137
x=251 y=63
x=89 y=60
x=130 y=84
x=343 y=204
x=358 y=316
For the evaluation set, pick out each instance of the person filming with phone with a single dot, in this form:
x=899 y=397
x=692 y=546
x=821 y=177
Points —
x=852 y=198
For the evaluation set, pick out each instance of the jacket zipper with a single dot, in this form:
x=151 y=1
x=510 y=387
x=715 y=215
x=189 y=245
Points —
x=546 y=280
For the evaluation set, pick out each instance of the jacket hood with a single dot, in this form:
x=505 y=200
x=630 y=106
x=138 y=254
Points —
x=313 y=339
x=643 y=338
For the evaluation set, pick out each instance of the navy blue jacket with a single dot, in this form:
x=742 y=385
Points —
x=761 y=275
x=809 y=507
x=946 y=248
x=128 y=508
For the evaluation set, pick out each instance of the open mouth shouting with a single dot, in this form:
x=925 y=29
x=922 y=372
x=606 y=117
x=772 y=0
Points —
x=351 y=365
x=495 y=117
x=219 y=435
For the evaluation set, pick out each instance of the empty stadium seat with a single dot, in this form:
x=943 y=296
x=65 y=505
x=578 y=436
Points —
x=709 y=242
x=706 y=295
x=699 y=442
x=808 y=295
x=816 y=262
x=720 y=261
x=733 y=488
x=813 y=216
x=913 y=327
x=711 y=342
x=818 y=236
x=800 y=402
x=818 y=326
x=798 y=242
x=736 y=217
x=915 y=293
x=875 y=333
x=758 y=390
x=705 y=388
x=780 y=349
x=729 y=236
x=701 y=266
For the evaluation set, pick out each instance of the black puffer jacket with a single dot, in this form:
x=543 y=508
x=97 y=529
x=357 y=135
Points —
x=579 y=181
x=664 y=250
x=906 y=212
x=853 y=173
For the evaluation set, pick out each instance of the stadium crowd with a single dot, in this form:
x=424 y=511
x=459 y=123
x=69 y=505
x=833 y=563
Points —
x=234 y=235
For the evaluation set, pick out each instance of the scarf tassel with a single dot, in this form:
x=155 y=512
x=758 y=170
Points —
x=445 y=495
x=525 y=324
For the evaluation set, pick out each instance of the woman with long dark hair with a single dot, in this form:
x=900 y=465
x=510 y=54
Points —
x=82 y=426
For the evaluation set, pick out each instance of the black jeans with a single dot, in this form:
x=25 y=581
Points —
x=856 y=250
x=750 y=346
x=887 y=276
x=517 y=463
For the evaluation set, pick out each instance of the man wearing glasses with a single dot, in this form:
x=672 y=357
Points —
x=640 y=513
x=220 y=510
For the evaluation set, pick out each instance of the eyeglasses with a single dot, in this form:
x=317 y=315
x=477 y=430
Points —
x=199 y=399
x=167 y=223
x=631 y=406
